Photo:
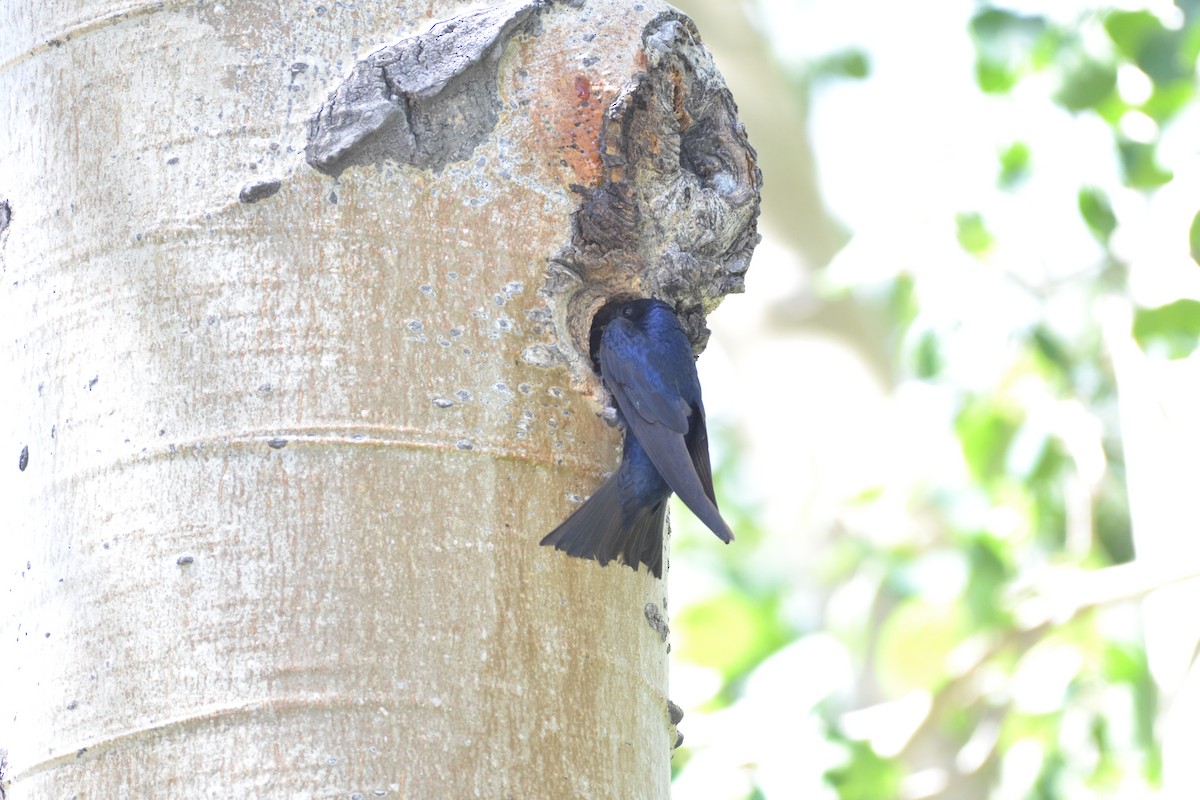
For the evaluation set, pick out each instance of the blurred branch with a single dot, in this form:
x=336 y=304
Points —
x=1066 y=593
x=1062 y=594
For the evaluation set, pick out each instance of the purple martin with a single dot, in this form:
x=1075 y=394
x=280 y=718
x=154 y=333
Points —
x=645 y=360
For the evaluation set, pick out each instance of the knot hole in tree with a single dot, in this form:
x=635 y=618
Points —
x=674 y=213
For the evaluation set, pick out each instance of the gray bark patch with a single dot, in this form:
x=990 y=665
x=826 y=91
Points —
x=658 y=623
x=253 y=192
x=5 y=219
x=426 y=100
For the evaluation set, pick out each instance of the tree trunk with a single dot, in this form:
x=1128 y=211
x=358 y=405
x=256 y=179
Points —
x=292 y=399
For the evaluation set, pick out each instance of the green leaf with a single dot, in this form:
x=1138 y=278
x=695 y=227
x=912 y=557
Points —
x=1169 y=100
x=1110 y=510
x=985 y=432
x=1139 y=162
x=914 y=643
x=1086 y=86
x=1124 y=663
x=1142 y=38
x=1097 y=213
x=973 y=235
x=1004 y=44
x=849 y=63
x=902 y=301
x=994 y=77
x=990 y=573
x=1048 y=47
x=729 y=632
x=1048 y=785
x=1053 y=351
x=927 y=356
x=1014 y=164
x=1047 y=502
x=1161 y=60
x=1173 y=328
x=1130 y=30
x=866 y=776
x=1194 y=238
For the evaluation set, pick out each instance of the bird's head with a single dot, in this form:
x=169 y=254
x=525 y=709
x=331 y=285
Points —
x=630 y=310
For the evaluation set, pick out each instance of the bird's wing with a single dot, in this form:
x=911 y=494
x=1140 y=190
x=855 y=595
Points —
x=697 y=445
x=632 y=372
x=658 y=416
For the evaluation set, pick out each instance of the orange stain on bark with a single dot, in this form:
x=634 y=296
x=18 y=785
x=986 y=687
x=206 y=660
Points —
x=566 y=104
x=567 y=118
x=677 y=100
x=575 y=119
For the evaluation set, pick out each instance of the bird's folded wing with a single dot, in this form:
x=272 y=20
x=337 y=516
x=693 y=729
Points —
x=697 y=445
x=659 y=419
x=627 y=363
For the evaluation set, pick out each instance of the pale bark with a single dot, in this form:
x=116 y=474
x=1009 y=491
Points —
x=287 y=442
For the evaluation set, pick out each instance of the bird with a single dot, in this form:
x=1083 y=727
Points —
x=645 y=361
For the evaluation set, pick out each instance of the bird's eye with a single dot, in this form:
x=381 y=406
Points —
x=627 y=311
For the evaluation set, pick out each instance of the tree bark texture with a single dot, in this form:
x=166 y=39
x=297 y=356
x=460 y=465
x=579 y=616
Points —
x=297 y=297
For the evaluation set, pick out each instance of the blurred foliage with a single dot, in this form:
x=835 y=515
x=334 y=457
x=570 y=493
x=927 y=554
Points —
x=1014 y=164
x=973 y=234
x=1173 y=329
x=1194 y=238
x=958 y=689
x=849 y=63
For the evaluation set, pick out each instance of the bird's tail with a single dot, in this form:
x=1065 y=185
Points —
x=598 y=530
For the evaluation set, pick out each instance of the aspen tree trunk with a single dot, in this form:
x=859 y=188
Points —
x=297 y=298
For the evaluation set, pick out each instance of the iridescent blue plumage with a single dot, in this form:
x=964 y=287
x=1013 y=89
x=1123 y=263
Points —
x=646 y=362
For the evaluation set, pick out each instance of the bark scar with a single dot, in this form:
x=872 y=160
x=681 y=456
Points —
x=426 y=100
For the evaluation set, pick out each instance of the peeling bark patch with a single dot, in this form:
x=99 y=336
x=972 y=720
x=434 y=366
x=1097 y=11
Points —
x=656 y=621
x=674 y=213
x=253 y=192
x=426 y=100
x=5 y=219
x=540 y=355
